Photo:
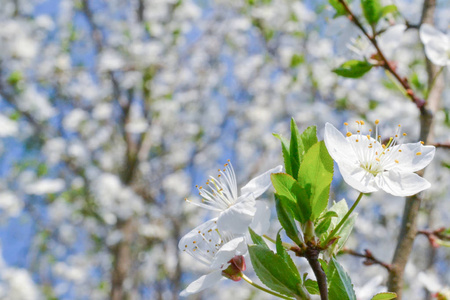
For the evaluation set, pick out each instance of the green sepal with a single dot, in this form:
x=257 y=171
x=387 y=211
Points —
x=312 y=287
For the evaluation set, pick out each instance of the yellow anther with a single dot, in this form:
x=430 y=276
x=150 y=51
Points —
x=194 y=242
x=419 y=153
x=404 y=134
x=396 y=161
x=399 y=125
x=358 y=131
x=357 y=140
x=377 y=121
x=368 y=137
x=225 y=165
x=400 y=150
x=228 y=160
x=199 y=231
x=396 y=135
x=384 y=146
x=200 y=188
x=357 y=122
x=422 y=142
x=349 y=134
x=362 y=122
x=346 y=124
x=377 y=159
x=218 y=175
x=370 y=130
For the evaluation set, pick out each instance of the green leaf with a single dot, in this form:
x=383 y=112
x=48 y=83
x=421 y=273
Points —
x=312 y=287
x=340 y=9
x=285 y=150
x=297 y=60
x=339 y=283
x=315 y=176
x=286 y=257
x=353 y=69
x=329 y=214
x=384 y=296
x=292 y=196
x=323 y=226
x=273 y=271
x=388 y=9
x=294 y=150
x=287 y=221
x=258 y=240
x=372 y=11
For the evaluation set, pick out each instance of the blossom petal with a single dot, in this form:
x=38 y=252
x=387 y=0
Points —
x=204 y=236
x=258 y=185
x=236 y=246
x=338 y=146
x=436 y=51
x=261 y=221
x=409 y=161
x=401 y=184
x=238 y=217
x=358 y=178
x=429 y=33
x=202 y=283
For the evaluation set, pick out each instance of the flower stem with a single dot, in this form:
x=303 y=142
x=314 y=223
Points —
x=262 y=288
x=338 y=227
x=285 y=245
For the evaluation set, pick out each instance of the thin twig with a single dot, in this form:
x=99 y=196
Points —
x=369 y=258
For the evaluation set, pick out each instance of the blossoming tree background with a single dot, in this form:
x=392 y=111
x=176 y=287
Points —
x=112 y=111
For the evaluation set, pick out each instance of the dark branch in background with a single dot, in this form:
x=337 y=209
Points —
x=442 y=145
x=369 y=258
x=427 y=109
x=420 y=103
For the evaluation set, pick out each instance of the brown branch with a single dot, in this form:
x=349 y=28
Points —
x=433 y=235
x=369 y=258
x=412 y=204
x=442 y=145
x=312 y=255
x=420 y=103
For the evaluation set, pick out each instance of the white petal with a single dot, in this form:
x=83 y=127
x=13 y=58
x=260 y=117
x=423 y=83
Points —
x=202 y=283
x=338 y=146
x=261 y=221
x=358 y=178
x=391 y=38
x=229 y=250
x=193 y=234
x=409 y=161
x=401 y=184
x=437 y=52
x=238 y=217
x=429 y=33
x=258 y=185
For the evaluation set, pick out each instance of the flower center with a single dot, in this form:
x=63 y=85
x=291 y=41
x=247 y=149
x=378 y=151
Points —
x=374 y=156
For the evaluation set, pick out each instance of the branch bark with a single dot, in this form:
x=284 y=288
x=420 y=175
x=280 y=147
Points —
x=412 y=204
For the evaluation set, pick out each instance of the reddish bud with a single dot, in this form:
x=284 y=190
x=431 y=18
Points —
x=236 y=267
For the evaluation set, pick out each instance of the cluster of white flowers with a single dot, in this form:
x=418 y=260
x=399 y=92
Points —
x=218 y=240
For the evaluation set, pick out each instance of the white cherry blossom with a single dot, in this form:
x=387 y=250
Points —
x=221 y=194
x=213 y=248
x=437 y=45
x=368 y=165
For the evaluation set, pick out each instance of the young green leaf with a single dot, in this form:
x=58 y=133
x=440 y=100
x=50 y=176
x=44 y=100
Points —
x=312 y=287
x=294 y=150
x=287 y=221
x=340 y=10
x=292 y=196
x=353 y=69
x=315 y=176
x=285 y=150
x=285 y=256
x=323 y=225
x=257 y=239
x=273 y=271
x=372 y=11
x=339 y=283
x=384 y=296
x=388 y=9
